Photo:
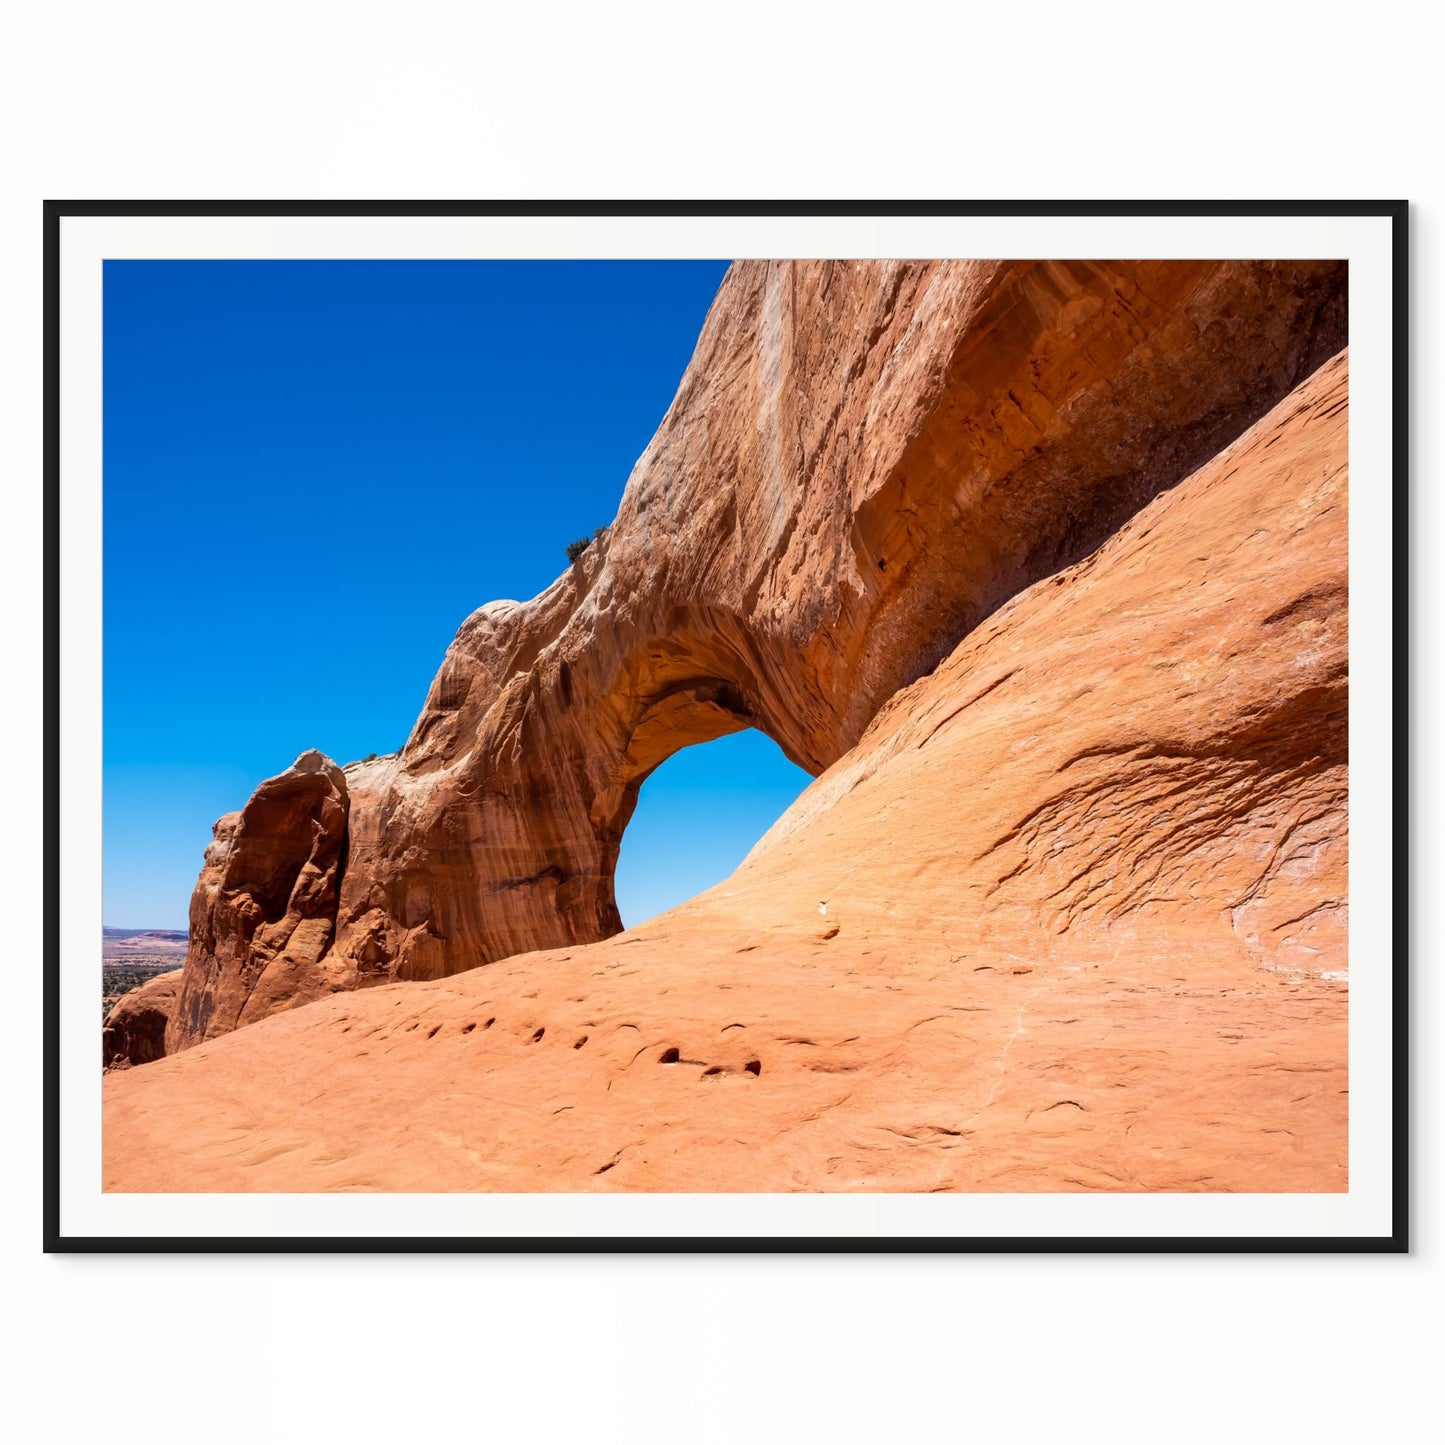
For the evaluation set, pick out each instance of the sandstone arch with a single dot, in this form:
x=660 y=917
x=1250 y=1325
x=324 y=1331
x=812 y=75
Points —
x=864 y=460
x=1087 y=928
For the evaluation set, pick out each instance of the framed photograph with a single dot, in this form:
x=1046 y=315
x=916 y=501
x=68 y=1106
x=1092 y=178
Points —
x=725 y=726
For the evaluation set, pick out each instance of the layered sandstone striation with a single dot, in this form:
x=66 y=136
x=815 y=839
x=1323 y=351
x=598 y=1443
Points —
x=864 y=462
x=1085 y=899
x=1148 y=747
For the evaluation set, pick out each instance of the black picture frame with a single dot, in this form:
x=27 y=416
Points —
x=1396 y=212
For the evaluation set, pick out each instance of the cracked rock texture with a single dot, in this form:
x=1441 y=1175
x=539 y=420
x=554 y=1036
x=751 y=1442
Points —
x=1085 y=887
x=864 y=462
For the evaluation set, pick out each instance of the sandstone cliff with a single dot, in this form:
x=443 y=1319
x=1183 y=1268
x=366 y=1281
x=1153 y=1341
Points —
x=1085 y=889
x=865 y=461
x=264 y=911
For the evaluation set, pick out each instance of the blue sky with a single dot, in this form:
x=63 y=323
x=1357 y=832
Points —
x=313 y=472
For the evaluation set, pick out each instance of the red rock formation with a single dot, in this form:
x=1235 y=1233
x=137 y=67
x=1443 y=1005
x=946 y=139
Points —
x=264 y=911
x=863 y=462
x=1085 y=887
x=135 y=1029
x=1150 y=745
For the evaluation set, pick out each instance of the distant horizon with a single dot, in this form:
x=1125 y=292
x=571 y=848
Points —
x=314 y=473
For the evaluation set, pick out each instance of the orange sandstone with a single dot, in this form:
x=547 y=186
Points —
x=1084 y=872
x=864 y=463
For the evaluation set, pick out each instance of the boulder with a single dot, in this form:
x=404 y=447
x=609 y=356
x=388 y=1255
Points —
x=1084 y=892
x=135 y=1029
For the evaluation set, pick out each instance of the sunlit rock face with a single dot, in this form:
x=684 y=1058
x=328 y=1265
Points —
x=263 y=915
x=1068 y=916
x=135 y=1029
x=864 y=463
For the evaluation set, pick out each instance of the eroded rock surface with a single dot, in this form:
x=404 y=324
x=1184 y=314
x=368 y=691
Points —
x=135 y=1029
x=864 y=462
x=264 y=911
x=1085 y=889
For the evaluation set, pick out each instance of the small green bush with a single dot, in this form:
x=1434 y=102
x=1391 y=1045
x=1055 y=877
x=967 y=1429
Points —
x=576 y=549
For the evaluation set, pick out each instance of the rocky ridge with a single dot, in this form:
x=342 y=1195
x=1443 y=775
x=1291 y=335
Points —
x=1083 y=893
x=864 y=464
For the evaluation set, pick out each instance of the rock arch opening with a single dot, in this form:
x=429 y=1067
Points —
x=697 y=815
x=861 y=464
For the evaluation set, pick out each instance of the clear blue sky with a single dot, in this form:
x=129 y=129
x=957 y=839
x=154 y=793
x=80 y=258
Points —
x=313 y=472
